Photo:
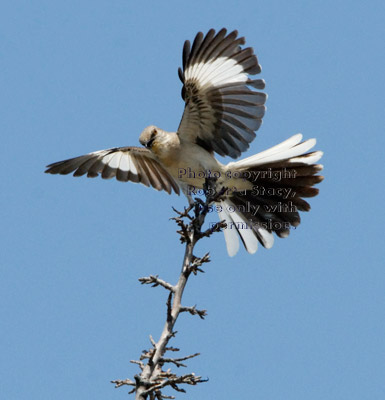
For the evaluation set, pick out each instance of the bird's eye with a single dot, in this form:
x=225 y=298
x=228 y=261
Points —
x=153 y=132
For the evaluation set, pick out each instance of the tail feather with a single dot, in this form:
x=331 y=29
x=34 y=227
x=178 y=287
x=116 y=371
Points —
x=249 y=240
x=279 y=148
x=289 y=149
x=231 y=238
x=281 y=178
x=238 y=223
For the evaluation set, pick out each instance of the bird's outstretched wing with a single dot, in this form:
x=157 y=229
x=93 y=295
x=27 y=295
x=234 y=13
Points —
x=133 y=164
x=222 y=111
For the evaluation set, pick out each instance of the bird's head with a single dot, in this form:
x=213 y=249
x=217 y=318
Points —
x=157 y=140
x=149 y=136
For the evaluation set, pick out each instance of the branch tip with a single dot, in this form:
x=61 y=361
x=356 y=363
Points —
x=155 y=281
x=193 y=311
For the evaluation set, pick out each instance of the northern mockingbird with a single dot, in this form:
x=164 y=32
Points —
x=223 y=109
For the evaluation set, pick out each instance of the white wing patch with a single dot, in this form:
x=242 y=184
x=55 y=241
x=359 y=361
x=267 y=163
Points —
x=124 y=163
x=115 y=160
x=215 y=73
x=222 y=111
x=130 y=164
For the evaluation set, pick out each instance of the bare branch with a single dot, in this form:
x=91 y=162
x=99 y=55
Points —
x=153 y=378
x=184 y=214
x=194 y=311
x=155 y=281
x=119 y=383
x=171 y=349
x=177 y=361
x=215 y=228
x=152 y=341
x=161 y=396
x=172 y=380
x=141 y=365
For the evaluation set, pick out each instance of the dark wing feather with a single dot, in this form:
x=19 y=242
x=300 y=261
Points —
x=221 y=112
x=133 y=164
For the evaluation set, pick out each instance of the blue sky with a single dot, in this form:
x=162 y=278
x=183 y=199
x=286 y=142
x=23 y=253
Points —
x=304 y=320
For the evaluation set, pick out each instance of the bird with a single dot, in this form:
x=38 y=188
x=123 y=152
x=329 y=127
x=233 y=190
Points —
x=224 y=106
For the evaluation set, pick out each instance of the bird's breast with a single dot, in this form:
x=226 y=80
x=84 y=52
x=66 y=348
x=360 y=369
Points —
x=189 y=163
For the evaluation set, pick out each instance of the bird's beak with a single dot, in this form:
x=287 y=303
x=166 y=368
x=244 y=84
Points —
x=148 y=144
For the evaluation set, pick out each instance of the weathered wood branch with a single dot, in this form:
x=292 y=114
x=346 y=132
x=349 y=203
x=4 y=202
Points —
x=152 y=377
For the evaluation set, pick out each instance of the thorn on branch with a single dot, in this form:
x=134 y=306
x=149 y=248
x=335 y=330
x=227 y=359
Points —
x=184 y=228
x=177 y=388
x=201 y=208
x=119 y=383
x=147 y=354
x=183 y=231
x=177 y=361
x=141 y=365
x=160 y=396
x=170 y=379
x=184 y=214
x=155 y=281
x=152 y=342
x=172 y=349
x=198 y=261
x=193 y=311
x=213 y=229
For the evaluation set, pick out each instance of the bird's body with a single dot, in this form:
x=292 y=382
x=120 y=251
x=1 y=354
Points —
x=222 y=112
x=188 y=163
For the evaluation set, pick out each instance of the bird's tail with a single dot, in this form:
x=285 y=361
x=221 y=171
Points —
x=277 y=179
